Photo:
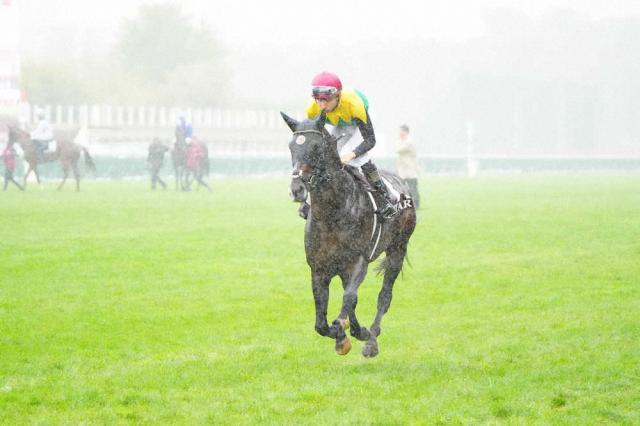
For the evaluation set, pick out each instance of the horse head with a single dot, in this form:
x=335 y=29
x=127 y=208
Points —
x=16 y=134
x=313 y=154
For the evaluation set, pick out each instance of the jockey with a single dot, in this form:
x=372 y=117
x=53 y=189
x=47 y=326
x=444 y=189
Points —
x=42 y=134
x=184 y=129
x=347 y=112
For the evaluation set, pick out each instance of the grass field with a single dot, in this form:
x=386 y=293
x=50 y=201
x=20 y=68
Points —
x=521 y=305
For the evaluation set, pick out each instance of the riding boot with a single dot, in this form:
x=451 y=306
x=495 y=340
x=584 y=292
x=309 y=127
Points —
x=303 y=210
x=385 y=208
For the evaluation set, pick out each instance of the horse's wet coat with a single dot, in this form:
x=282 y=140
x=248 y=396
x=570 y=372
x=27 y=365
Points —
x=338 y=232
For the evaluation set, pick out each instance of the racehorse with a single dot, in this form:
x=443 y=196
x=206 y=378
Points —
x=343 y=232
x=179 y=160
x=67 y=152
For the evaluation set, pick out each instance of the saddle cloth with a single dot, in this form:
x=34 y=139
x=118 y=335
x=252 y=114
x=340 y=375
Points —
x=395 y=194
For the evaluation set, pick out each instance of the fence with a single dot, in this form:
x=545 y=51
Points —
x=151 y=116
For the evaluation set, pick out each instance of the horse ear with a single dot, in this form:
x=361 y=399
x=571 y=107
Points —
x=322 y=119
x=291 y=122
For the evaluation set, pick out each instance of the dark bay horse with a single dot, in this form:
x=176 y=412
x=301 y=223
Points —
x=67 y=153
x=179 y=160
x=342 y=233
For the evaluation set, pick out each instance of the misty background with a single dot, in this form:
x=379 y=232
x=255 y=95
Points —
x=495 y=78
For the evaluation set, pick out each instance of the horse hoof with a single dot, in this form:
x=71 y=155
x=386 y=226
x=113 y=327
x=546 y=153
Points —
x=370 y=349
x=344 y=346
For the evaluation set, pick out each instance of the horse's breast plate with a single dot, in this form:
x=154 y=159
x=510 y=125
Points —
x=301 y=139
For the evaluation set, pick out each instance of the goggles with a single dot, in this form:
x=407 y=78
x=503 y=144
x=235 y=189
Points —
x=323 y=92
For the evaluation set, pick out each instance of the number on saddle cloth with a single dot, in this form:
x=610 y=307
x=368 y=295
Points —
x=400 y=200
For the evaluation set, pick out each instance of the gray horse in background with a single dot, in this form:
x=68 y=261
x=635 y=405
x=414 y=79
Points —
x=343 y=234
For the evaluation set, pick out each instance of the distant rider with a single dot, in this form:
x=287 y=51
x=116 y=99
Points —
x=42 y=135
x=184 y=129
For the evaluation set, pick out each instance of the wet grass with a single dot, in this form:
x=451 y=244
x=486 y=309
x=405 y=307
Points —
x=118 y=305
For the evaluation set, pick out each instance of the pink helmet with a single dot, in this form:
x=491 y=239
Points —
x=325 y=85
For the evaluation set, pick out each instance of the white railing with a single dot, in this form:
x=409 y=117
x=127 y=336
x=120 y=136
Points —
x=151 y=116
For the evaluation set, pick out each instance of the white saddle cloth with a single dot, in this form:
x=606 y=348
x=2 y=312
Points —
x=394 y=194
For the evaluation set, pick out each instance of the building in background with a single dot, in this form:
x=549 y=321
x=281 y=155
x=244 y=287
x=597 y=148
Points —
x=10 y=93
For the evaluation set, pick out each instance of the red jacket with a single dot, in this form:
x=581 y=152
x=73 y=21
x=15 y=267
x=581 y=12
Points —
x=9 y=157
x=195 y=153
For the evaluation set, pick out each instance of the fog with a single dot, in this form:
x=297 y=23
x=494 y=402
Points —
x=496 y=78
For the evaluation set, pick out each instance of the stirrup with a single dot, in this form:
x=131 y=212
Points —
x=387 y=211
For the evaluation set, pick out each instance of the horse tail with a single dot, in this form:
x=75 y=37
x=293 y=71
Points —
x=88 y=160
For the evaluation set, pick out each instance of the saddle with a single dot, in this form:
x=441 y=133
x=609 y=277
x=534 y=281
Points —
x=400 y=200
x=359 y=177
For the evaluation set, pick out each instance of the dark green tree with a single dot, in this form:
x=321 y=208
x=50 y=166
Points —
x=176 y=61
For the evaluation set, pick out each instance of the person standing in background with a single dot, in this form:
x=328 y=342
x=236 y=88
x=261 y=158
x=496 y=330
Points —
x=9 y=159
x=155 y=159
x=407 y=162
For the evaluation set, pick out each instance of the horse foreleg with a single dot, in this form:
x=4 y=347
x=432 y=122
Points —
x=351 y=280
x=320 y=287
x=186 y=181
x=392 y=267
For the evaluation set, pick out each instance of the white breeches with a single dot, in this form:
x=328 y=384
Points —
x=351 y=139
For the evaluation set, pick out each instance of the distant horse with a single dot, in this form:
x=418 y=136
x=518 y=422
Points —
x=67 y=152
x=197 y=164
x=343 y=234
x=179 y=160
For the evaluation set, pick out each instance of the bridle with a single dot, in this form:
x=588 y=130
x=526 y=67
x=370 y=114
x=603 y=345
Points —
x=317 y=176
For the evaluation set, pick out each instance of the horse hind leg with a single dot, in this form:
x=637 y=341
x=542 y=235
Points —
x=392 y=266
x=76 y=175
x=26 y=176
x=64 y=178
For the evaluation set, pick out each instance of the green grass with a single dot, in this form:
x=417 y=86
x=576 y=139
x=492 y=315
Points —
x=521 y=305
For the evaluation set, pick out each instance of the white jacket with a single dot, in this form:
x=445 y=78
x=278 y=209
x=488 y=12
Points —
x=43 y=132
x=407 y=159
